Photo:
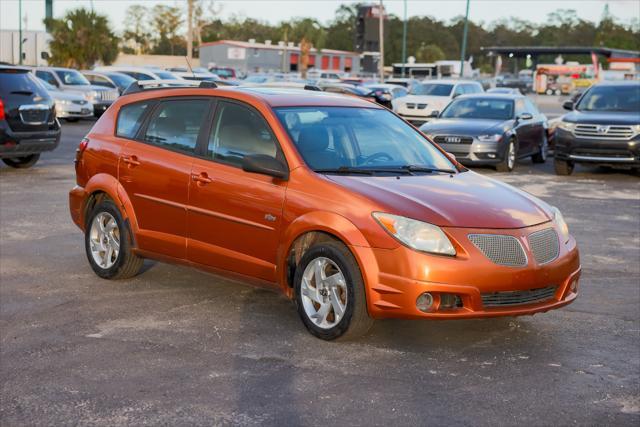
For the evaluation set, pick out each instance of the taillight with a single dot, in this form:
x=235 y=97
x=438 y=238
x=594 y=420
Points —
x=83 y=146
x=1 y=110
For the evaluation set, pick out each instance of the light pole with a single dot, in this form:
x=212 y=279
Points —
x=20 y=29
x=464 y=40
x=381 y=35
x=404 y=38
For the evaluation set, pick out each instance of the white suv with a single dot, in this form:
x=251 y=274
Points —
x=427 y=98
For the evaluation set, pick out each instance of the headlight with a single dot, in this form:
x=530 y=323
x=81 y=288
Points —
x=418 y=235
x=636 y=128
x=562 y=225
x=489 y=138
x=90 y=95
x=63 y=102
x=568 y=126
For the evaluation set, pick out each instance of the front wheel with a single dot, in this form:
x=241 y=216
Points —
x=563 y=167
x=509 y=161
x=330 y=293
x=107 y=243
x=22 y=162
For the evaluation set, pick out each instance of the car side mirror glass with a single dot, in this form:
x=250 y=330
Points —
x=434 y=114
x=265 y=165
x=568 y=105
x=44 y=55
x=525 y=116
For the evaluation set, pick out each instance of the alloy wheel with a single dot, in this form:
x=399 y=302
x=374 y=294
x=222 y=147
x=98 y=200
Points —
x=104 y=240
x=511 y=155
x=324 y=293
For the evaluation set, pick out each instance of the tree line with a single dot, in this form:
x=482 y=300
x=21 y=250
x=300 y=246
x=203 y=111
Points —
x=160 y=30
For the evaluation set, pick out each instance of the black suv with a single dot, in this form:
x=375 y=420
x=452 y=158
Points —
x=602 y=128
x=28 y=124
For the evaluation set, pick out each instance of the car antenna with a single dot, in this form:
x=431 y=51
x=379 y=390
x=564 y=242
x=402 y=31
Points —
x=190 y=69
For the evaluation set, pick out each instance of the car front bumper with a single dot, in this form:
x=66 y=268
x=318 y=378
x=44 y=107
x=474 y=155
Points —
x=603 y=151
x=19 y=144
x=65 y=111
x=404 y=274
x=477 y=153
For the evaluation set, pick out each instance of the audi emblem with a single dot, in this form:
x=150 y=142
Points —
x=452 y=139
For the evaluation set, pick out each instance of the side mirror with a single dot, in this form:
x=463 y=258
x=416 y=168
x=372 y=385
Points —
x=568 y=105
x=525 y=116
x=265 y=165
x=44 y=55
x=434 y=114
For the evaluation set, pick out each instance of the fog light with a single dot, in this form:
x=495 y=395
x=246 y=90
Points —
x=448 y=300
x=574 y=286
x=424 y=302
x=491 y=155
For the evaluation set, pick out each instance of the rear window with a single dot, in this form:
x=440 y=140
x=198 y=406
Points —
x=432 y=89
x=19 y=82
x=130 y=118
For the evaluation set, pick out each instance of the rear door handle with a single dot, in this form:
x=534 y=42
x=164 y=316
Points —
x=202 y=178
x=131 y=161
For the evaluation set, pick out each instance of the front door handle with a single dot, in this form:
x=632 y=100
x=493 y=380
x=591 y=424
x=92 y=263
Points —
x=202 y=178
x=131 y=161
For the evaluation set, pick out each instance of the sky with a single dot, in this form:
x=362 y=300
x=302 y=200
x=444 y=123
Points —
x=275 y=11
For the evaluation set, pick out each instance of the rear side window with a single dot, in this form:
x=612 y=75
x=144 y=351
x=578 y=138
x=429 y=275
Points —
x=176 y=124
x=238 y=132
x=47 y=77
x=130 y=118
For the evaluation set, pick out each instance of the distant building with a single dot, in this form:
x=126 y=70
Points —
x=34 y=43
x=250 y=57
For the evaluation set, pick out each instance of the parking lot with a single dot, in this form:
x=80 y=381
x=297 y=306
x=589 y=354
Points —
x=179 y=346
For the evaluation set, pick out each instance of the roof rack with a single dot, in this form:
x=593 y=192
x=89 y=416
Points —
x=140 y=85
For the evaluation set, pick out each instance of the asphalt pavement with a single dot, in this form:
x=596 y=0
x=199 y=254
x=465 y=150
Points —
x=177 y=346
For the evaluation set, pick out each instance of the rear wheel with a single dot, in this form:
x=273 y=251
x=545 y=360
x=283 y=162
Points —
x=22 y=162
x=509 y=161
x=107 y=243
x=563 y=167
x=330 y=293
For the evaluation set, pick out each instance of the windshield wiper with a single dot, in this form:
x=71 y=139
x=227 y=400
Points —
x=345 y=170
x=427 y=169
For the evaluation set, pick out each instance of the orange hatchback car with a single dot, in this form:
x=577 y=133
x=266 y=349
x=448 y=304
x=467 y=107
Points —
x=333 y=200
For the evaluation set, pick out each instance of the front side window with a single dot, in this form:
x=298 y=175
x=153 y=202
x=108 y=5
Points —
x=130 y=119
x=335 y=138
x=432 y=89
x=47 y=77
x=176 y=124
x=611 y=98
x=238 y=132
x=72 y=78
x=479 y=108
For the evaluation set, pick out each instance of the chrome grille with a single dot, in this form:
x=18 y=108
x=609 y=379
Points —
x=453 y=139
x=107 y=95
x=506 y=298
x=501 y=249
x=79 y=101
x=544 y=245
x=603 y=131
x=411 y=105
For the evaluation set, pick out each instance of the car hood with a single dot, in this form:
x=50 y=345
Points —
x=603 y=117
x=65 y=96
x=472 y=127
x=466 y=199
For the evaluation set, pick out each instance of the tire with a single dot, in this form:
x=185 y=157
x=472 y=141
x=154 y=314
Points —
x=510 y=154
x=563 y=167
x=333 y=258
x=541 y=156
x=119 y=264
x=22 y=162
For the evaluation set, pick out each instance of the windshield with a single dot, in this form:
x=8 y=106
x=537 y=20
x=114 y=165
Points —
x=121 y=80
x=433 y=89
x=72 y=78
x=329 y=138
x=611 y=98
x=164 y=75
x=479 y=108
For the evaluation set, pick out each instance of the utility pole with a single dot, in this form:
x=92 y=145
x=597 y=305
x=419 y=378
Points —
x=404 y=38
x=20 y=29
x=381 y=42
x=189 y=29
x=464 y=40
